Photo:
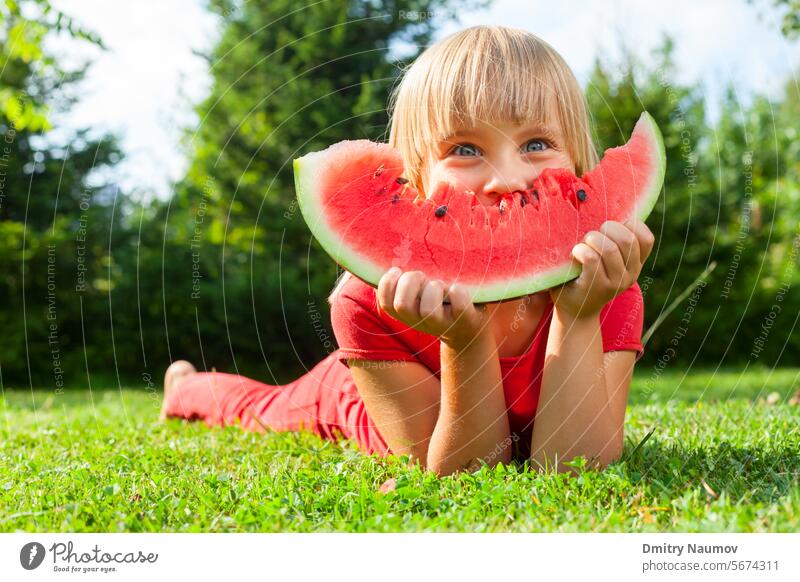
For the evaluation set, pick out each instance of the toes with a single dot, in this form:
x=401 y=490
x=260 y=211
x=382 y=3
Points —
x=177 y=370
x=182 y=365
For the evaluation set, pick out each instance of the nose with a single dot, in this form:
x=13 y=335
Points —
x=506 y=176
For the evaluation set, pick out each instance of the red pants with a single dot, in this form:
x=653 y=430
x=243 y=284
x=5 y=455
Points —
x=323 y=401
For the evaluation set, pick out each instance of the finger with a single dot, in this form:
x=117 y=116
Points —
x=386 y=289
x=460 y=303
x=612 y=263
x=590 y=260
x=406 y=297
x=430 y=303
x=627 y=242
x=645 y=237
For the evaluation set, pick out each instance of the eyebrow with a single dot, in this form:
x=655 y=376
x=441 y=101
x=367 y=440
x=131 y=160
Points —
x=548 y=131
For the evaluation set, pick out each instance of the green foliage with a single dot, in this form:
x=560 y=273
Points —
x=285 y=81
x=21 y=34
x=56 y=215
x=77 y=462
x=729 y=197
x=226 y=273
x=790 y=11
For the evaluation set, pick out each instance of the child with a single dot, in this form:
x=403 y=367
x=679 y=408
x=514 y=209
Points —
x=543 y=377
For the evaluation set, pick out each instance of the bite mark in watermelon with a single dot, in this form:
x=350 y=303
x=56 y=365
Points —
x=368 y=218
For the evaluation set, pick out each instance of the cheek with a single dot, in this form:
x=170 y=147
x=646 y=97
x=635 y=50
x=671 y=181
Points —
x=565 y=161
x=557 y=160
x=465 y=178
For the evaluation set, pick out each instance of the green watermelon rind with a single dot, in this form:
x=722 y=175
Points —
x=650 y=193
x=307 y=171
x=512 y=289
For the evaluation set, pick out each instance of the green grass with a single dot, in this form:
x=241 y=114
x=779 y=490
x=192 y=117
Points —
x=721 y=457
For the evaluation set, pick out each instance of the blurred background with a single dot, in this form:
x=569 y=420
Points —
x=147 y=203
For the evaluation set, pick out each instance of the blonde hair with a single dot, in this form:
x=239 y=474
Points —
x=488 y=73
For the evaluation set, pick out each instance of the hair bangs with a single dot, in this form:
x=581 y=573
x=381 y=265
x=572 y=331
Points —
x=492 y=74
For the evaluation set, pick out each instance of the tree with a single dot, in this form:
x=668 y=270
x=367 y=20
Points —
x=24 y=99
x=53 y=220
x=790 y=12
x=286 y=80
x=726 y=201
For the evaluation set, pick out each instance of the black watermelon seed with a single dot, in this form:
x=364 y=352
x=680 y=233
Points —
x=581 y=195
x=441 y=211
x=401 y=181
x=536 y=194
x=523 y=201
x=378 y=172
x=395 y=198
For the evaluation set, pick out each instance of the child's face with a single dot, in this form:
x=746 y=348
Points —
x=492 y=159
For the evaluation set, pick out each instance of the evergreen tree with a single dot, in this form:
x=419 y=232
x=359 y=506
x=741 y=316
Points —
x=720 y=205
x=286 y=80
x=54 y=220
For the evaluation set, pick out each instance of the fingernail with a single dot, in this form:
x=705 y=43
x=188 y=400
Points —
x=394 y=271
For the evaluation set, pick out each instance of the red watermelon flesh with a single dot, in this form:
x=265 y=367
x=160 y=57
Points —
x=364 y=214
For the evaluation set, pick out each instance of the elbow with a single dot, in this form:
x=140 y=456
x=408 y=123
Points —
x=608 y=457
x=576 y=464
x=430 y=462
x=444 y=461
x=445 y=467
x=439 y=470
x=440 y=467
x=612 y=453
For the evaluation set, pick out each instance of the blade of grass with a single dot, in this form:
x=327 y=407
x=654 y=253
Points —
x=641 y=444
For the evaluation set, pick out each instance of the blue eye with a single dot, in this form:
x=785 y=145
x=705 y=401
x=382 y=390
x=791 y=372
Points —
x=540 y=145
x=464 y=147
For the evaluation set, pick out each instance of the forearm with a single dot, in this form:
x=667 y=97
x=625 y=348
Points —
x=472 y=416
x=574 y=416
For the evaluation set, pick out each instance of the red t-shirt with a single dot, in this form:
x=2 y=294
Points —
x=365 y=332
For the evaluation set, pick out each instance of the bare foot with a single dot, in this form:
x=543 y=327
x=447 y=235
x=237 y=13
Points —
x=176 y=371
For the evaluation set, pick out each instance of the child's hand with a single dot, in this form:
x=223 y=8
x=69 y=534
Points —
x=612 y=259
x=419 y=303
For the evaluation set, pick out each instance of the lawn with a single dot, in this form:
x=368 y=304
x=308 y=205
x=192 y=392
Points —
x=724 y=455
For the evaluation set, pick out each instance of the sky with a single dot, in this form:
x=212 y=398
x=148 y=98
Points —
x=143 y=87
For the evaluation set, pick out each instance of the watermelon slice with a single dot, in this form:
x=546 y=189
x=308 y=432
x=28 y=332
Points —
x=368 y=218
